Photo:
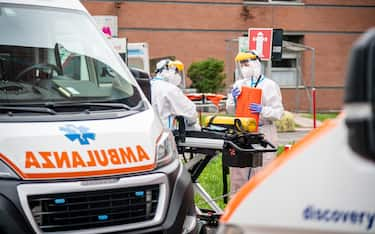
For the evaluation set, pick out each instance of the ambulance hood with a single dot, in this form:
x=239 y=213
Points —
x=76 y=149
x=67 y=4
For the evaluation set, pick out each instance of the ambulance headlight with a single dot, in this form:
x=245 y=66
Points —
x=6 y=172
x=230 y=229
x=165 y=149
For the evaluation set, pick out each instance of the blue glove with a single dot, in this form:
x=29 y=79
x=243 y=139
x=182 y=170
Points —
x=255 y=108
x=235 y=93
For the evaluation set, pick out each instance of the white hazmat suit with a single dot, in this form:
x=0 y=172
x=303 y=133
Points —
x=271 y=109
x=168 y=100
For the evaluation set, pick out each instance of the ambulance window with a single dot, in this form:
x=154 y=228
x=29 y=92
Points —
x=76 y=67
x=47 y=57
x=104 y=73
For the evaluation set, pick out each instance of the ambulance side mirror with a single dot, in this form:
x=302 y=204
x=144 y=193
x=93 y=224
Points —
x=360 y=96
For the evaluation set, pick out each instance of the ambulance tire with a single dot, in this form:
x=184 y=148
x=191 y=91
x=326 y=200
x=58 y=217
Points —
x=205 y=229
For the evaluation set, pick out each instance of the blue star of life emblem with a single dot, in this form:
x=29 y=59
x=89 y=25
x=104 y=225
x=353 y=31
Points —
x=79 y=133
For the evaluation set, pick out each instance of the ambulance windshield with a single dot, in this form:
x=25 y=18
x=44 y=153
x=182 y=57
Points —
x=56 y=56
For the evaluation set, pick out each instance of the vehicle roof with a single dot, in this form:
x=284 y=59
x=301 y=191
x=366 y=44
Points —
x=66 y=4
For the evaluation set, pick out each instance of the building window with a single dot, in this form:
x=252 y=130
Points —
x=287 y=63
x=294 y=38
x=284 y=72
x=287 y=71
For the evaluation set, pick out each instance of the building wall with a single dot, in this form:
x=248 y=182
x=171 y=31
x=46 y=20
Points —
x=195 y=30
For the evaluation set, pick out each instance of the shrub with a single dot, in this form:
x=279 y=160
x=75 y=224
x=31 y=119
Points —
x=287 y=123
x=207 y=76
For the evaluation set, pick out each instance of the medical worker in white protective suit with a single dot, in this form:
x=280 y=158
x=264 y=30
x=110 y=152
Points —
x=167 y=98
x=270 y=109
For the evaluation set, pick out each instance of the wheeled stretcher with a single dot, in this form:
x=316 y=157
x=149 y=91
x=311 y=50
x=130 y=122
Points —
x=231 y=137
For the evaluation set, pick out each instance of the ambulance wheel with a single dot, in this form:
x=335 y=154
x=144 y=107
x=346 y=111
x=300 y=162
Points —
x=205 y=229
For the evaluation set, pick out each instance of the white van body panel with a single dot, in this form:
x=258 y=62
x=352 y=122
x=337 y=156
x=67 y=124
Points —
x=68 y=4
x=324 y=187
x=115 y=146
x=82 y=150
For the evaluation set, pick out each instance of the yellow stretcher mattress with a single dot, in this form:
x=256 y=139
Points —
x=247 y=123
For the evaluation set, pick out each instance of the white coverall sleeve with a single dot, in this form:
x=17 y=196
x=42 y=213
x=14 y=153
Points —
x=272 y=105
x=230 y=105
x=182 y=106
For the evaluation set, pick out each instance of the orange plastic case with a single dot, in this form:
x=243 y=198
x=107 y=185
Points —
x=248 y=95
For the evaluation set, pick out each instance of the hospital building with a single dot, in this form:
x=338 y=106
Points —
x=317 y=37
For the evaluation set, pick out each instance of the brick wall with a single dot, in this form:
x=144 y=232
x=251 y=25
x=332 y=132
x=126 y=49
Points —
x=194 y=30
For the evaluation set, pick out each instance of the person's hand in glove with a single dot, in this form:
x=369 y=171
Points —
x=255 y=108
x=235 y=93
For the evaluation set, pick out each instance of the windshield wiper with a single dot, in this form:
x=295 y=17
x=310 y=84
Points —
x=108 y=105
x=11 y=109
x=10 y=86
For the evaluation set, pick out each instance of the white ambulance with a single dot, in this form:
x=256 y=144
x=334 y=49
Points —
x=325 y=183
x=81 y=150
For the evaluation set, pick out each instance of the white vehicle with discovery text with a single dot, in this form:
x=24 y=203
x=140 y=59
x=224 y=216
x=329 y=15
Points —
x=81 y=151
x=325 y=183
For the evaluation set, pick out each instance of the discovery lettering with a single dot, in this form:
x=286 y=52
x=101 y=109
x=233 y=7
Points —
x=340 y=216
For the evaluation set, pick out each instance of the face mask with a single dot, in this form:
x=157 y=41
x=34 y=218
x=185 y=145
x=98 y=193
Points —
x=175 y=78
x=171 y=76
x=247 y=72
x=166 y=75
x=256 y=67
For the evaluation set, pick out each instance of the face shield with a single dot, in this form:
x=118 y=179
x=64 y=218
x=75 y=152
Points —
x=243 y=69
x=177 y=69
x=171 y=76
x=248 y=66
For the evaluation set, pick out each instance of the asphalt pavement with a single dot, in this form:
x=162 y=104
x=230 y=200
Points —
x=289 y=138
x=305 y=125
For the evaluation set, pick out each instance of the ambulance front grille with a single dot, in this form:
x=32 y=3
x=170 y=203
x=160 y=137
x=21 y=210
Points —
x=91 y=209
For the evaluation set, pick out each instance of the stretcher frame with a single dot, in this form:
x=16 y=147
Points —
x=204 y=145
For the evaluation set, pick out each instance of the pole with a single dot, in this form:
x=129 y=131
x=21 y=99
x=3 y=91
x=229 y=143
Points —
x=200 y=118
x=313 y=79
x=314 y=105
x=313 y=68
x=268 y=70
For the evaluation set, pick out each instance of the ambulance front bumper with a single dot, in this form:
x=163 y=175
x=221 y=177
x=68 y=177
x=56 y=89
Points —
x=152 y=202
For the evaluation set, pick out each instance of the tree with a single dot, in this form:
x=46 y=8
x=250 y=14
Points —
x=207 y=76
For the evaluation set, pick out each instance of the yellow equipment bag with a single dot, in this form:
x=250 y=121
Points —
x=248 y=124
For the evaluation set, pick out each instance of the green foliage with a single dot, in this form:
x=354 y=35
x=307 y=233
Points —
x=207 y=76
x=211 y=181
x=322 y=116
x=280 y=149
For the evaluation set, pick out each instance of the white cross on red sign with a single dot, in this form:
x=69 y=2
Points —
x=260 y=39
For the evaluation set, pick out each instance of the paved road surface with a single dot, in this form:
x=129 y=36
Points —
x=292 y=137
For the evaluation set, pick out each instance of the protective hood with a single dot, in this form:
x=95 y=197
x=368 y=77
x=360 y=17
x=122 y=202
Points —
x=170 y=76
x=256 y=68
